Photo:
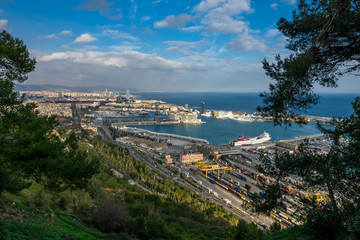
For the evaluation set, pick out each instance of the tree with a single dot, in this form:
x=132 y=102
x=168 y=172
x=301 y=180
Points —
x=248 y=231
x=29 y=149
x=15 y=62
x=336 y=173
x=324 y=38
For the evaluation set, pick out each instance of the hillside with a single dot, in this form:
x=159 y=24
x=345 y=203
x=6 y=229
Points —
x=112 y=208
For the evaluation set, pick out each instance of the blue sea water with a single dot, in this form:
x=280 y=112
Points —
x=219 y=131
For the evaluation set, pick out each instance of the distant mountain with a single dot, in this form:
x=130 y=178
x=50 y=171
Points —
x=51 y=87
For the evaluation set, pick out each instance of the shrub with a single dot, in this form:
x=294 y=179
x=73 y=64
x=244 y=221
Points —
x=39 y=199
x=111 y=217
x=79 y=201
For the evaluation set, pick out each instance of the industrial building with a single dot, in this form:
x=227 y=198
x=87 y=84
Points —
x=191 y=157
x=184 y=117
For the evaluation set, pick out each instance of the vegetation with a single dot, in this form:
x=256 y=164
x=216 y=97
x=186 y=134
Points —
x=153 y=208
x=161 y=201
x=29 y=149
x=323 y=37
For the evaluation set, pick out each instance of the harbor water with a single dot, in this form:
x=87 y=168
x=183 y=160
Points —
x=221 y=131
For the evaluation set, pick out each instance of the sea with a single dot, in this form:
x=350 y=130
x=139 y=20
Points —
x=221 y=131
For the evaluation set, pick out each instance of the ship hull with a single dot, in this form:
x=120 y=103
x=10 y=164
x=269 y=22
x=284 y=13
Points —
x=257 y=140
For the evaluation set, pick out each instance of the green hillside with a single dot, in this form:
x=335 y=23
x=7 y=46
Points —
x=111 y=208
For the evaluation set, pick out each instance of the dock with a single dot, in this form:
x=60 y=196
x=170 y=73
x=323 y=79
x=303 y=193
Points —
x=118 y=123
x=144 y=132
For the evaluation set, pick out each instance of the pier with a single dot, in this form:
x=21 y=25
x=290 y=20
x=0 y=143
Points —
x=300 y=139
x=118 y=123
x=157 y=135
x=294 y=141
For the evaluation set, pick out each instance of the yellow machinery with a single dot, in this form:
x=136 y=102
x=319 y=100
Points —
x=195 y=164
x=256 y=176
x=212 y=168
x=318 y=198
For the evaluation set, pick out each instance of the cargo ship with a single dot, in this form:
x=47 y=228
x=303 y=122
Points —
x=243 y=141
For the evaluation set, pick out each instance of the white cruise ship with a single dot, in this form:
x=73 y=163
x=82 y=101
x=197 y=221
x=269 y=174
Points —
x=243 y=141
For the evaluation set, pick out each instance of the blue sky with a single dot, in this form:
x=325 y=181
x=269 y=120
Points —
x=152 y=45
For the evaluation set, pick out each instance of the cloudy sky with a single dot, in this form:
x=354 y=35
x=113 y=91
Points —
x=152 y=45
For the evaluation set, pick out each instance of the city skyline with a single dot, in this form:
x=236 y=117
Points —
x=208 y=45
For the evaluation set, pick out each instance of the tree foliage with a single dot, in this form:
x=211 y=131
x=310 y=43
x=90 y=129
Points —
x=323 y=36
x=29 y=149
x=336 y=173
x=15 y=62
x=248 y=231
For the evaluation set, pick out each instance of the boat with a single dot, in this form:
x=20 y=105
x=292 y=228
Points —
x=206 y=114
x=245 y=118
x=243 y=141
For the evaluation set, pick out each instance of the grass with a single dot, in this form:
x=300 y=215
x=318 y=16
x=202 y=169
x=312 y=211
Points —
x=63 y=227
x=20 y=220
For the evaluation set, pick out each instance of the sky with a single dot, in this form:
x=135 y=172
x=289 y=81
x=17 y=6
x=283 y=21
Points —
x=153 y=45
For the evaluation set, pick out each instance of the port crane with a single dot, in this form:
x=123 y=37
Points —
x=212 y=168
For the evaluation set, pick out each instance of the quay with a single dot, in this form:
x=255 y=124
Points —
x=158 y=136
x=294 y=142
x=300 y=139
x=119 y=123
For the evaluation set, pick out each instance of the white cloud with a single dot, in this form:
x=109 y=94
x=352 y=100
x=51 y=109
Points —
x=225 y=25
x=85 y=38
x=89 y=48
x=128 y=59
x=103 y=6
x=92 y=5
x=185 y=47
x=222 y=16
x=192 y=28
x=65 y=32
x=4 y=25
x=232 y=8
x=145 y=18
x=274 y=6
x=56 y=36
x=272 y=33
x=290 y=2
x=205 y=5
x=124 y=48
x=246 y=42
x=173 y=21
x=147 y=72
x=114 y=34
x=51 y=36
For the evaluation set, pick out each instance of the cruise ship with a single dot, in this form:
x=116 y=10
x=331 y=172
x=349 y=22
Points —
x=243 y=141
